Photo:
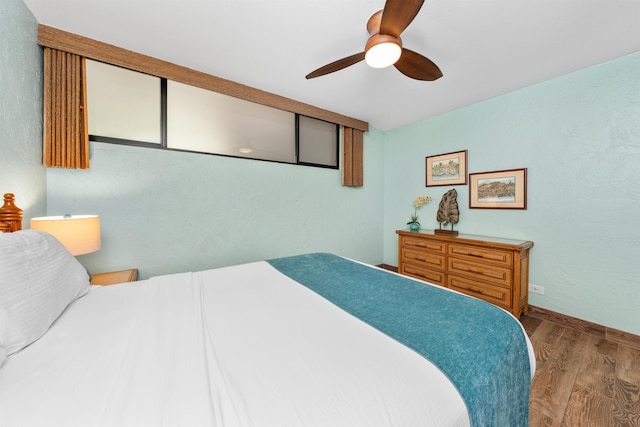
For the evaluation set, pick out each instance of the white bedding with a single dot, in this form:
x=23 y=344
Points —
x=236 y=346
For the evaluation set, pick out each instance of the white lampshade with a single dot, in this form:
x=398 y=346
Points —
x=78 y=233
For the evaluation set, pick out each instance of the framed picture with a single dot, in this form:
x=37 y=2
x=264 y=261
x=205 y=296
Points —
x=447 y=169
x=506 y=189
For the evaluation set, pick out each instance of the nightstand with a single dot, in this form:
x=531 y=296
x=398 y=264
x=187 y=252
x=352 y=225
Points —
x=114 y=277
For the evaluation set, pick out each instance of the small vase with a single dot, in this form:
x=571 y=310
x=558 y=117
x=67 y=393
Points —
x=414 y=226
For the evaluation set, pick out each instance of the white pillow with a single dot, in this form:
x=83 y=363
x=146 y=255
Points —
x=39 y=278
x=4 y=334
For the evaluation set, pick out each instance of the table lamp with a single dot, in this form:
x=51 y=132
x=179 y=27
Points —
x=80 y=234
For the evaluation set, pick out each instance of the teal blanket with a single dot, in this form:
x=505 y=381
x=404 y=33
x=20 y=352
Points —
x=480 y=347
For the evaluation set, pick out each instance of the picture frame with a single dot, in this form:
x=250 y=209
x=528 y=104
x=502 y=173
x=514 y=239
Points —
x=503 y=189
x=446 y=169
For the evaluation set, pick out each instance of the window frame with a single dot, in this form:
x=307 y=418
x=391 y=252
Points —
x=337 y=152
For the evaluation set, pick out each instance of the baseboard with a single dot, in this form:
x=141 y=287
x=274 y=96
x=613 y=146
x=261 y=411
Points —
x=610 y=334
x=388 y=267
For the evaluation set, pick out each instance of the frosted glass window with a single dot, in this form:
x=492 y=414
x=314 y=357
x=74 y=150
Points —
x=128 y=107
x=210 y=122
x=318 y=142
x=123 y=104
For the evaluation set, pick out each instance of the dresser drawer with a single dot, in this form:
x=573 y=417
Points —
x=497 y=295
x=419 y=243
x=431 y=276
x=501 y=258
x=424 y=258
x=484 y=272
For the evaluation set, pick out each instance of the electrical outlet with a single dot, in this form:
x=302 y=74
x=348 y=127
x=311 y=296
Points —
x=536 y=289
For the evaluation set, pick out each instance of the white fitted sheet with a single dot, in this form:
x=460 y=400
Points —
x=236 y=346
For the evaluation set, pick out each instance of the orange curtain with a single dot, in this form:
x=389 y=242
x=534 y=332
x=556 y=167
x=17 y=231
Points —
x=66 y=136
x=352 y=157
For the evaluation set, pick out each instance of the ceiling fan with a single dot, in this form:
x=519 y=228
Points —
x=384 y=47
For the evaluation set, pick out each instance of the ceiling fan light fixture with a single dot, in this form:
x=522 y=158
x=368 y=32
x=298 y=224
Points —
x=382 y=50
x=384 y=47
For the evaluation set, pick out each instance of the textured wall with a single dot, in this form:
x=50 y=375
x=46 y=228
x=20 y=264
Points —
x=21 y=171
x=579 y=137
x=170 y=211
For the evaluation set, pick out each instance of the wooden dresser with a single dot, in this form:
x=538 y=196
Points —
x=493 y=269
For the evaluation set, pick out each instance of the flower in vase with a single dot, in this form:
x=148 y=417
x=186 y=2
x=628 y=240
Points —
x=421 y=200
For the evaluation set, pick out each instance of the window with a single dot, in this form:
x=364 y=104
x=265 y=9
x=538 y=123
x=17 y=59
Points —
x=317 y=142
x=129 y=107
x=123 y=104
x=209 y=122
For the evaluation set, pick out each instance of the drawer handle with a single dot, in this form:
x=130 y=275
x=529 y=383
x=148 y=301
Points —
x=475 y=254
x=424 y=245
x=418 y=274
x=476 y=290
x=474 y=270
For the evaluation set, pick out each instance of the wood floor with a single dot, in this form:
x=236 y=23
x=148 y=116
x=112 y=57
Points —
x=582 y=379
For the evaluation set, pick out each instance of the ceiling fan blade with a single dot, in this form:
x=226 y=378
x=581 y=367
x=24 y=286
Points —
x=397 y=15
x=336 y=65
x=416 y=66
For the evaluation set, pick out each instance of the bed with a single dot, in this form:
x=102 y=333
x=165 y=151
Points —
x=308 y=340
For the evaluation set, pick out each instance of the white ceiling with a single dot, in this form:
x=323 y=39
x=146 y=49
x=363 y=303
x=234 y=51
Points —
x=484 y=48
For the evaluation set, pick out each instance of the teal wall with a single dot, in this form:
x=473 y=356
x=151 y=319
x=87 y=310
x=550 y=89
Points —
x=579 y=137
x=166 y=212
x=21 y=170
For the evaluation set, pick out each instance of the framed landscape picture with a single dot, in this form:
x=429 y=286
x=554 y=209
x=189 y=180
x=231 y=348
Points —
x=506 y=189
x=447 y=169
